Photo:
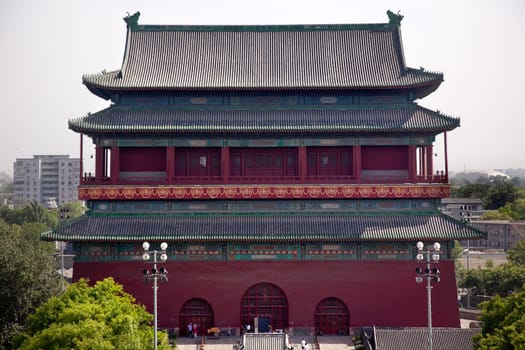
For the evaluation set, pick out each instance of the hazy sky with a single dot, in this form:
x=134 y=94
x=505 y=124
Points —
x=479 y=45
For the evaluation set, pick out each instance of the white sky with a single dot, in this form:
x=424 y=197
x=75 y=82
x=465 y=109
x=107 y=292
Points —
x=47 y=45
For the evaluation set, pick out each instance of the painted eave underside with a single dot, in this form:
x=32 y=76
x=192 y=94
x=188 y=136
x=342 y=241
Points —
x=322 y=57
x=264 y=228
x=305 y=120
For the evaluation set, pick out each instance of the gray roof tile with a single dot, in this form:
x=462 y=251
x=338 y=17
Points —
x=373 y=119
x=417 y=338
x=263 y=58
x=265 y=228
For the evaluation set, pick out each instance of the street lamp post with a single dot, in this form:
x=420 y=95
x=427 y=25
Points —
x=431 y=274
x=153 y=275
x=466 y=217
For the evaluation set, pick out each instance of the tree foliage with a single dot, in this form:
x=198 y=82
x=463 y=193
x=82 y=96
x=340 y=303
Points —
x=33 y=212
x=27 y=275
x=476 y=190
x=501 y=194
x=517 y=254
x=99 y=317
x=503 y=323
x=73 y=209
x=503 y=280
x=505 y=197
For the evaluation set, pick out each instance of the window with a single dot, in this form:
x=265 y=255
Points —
x=331 y=161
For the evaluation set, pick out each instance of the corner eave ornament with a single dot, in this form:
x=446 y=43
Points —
x=394 y=19
x=132 y=20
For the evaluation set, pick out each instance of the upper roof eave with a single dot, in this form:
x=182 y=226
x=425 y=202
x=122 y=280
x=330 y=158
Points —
x=100 y=85
x=263 y=58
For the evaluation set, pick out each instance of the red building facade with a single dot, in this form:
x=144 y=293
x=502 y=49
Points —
x=289 y=169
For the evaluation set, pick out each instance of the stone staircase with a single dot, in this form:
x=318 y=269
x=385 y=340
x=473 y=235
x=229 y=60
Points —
x=265 y=341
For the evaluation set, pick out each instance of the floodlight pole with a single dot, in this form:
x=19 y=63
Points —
x=432 y=255
x=154 y=275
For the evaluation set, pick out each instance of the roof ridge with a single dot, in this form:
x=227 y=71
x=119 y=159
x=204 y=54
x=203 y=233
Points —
x=261 y=27
x=386 y=106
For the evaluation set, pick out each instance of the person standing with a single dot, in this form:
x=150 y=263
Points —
x=303 y=344
x=195 y=330
x=190 y=330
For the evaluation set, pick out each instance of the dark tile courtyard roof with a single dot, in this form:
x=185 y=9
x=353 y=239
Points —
x=362 y=119
x=264 y=341
x=264 y=228
x=358 y=57
x=417 y=338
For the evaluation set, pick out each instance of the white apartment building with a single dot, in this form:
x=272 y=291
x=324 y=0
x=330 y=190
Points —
x=46 y=178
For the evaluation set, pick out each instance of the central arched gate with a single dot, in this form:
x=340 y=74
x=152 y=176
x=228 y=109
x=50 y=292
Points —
x=268 y=303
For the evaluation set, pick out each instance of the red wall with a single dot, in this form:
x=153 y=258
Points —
x=142 y=158
x=384 y=158
x=379 y=293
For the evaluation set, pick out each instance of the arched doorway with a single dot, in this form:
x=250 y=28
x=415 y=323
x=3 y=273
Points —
x=332 y=317
x=196 y=311
x=268 y=303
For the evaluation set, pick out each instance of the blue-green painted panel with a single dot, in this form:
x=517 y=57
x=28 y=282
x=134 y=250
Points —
x=341 y=251
x=263 y=252
x=387 y=251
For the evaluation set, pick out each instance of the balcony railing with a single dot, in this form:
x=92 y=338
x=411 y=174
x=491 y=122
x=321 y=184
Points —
x=437 y=178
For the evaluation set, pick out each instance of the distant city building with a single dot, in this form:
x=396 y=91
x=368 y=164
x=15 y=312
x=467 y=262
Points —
x=474 y=176
x=46 y=179
x=502 y=234
x=462 y=208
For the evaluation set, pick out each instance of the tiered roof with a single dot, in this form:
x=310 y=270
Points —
x=263 y=58
x=284 y=120
x=341 y=227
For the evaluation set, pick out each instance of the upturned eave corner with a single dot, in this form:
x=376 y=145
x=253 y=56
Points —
x=132 y=21
x=394 y=19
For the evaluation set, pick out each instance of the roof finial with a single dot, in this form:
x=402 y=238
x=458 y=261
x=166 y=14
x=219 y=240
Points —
x=394 y=19
x=132 y=20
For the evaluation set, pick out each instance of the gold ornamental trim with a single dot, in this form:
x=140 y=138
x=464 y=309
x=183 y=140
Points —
x=263 y=192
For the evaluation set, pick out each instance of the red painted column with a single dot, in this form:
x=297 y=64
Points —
x=99 y=163
x=446 y=156
x=225 y=163
x=115 y=164
x=170 y=163
x=302 y=163
x=357 y=162
x=81 y=157
x=430 y=159
x=412 y=163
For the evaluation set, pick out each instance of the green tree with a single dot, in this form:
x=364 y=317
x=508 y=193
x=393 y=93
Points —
x=32 y=212
x=501 y=194
x=504 y=279
x=73 y=209
x=496 y=215
x=517 y=254
x=99 y=317
x=503 y=323
x=27 y=278
x=476 y=190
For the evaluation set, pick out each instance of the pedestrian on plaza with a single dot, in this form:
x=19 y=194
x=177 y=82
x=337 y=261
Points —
x=304 y=345
x=190 y=330
x=195 y=332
